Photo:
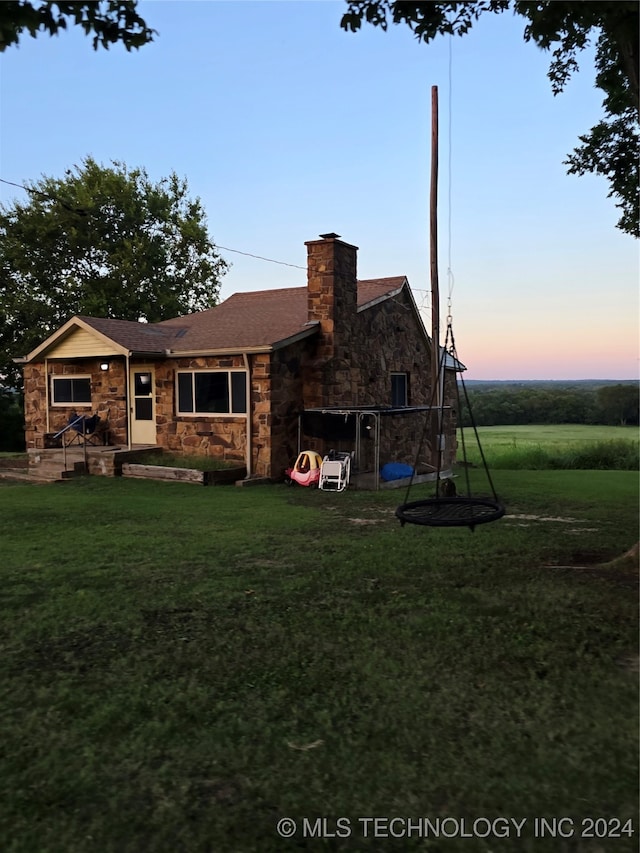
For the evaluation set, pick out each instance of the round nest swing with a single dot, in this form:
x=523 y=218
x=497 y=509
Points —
x=450 y=512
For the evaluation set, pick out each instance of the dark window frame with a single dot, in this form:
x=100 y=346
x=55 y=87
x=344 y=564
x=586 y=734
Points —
x=399 y=390
x=79 y=385
x=187 y=393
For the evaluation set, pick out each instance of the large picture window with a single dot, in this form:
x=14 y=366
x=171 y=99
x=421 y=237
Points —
x=71 y=390
x=212 y=392
x=399 y=389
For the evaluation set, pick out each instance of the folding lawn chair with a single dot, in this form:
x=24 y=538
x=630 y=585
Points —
x=335 y=471
x=86 y=429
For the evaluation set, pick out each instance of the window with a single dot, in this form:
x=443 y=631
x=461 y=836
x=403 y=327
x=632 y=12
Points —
x=399 y=389
x=213 y=392
x=71 y=390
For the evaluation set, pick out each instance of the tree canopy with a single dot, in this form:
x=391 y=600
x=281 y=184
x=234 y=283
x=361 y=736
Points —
x=101 y=241
x=110 y=21
x=567 y=28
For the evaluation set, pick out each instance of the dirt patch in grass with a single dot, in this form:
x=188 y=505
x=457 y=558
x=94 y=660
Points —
x=622 y=570
x=78 y=651
x=523 y=517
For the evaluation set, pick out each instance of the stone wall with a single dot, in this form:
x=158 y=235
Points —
x=108 y=399
x=286 y=391
x=223 y=438
x=217 y=436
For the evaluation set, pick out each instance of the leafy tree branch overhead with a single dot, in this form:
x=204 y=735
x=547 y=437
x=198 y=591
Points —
x=101 y=241
x=611 y=147
x=110 y=21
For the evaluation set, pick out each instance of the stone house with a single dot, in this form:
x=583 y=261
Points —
x=233 y=381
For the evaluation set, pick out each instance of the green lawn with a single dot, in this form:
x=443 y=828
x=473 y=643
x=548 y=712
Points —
x=185 y=666
x=553 y=434
x=554 y=446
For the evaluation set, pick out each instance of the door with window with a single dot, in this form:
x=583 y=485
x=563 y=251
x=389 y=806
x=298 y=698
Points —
x=142 y=403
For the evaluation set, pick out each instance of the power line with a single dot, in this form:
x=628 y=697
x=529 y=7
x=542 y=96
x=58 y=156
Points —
x=259 y=257
x=285 y=264
x=84 y=212
x=11 y=184
x=79 y=210
x=217 y=245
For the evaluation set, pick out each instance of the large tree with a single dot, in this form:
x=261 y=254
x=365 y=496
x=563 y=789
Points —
x=110 y=22
x=611 y=147
x=102 y=241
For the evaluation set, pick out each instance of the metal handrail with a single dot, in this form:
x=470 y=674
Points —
x=84 y=443
x=68 y=426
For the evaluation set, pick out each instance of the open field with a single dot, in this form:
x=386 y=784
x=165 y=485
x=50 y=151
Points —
x=554 y=434
x=182 y=667
x=554 y=446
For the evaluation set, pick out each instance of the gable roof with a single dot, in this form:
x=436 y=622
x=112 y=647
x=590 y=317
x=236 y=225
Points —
x=261 y=320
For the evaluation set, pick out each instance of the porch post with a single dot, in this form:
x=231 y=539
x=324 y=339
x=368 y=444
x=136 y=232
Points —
x=46 y=391
x=127 y=398
x=249 y=439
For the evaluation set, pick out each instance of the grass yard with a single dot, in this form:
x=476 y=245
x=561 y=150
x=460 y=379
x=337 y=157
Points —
x=183 y=667
x=555 y=446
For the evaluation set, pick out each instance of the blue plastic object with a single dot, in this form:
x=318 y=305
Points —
x=395 y=471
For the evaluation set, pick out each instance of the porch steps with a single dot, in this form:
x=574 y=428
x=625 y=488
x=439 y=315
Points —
x=54 y=465
x=46 y=474
x=50 y=466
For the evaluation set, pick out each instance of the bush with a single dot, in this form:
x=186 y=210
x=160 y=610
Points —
x=601 y=455
x=616 y=455
x=11 y=422
x=198 y=463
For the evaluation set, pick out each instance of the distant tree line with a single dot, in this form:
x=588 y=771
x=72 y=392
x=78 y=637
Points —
x=616 y=405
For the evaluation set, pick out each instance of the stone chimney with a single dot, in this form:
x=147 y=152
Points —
x=332 y=292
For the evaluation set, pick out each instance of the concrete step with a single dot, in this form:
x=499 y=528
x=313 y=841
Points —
x=14 y=474
x=54 y=470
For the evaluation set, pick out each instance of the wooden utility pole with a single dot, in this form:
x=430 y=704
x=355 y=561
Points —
x=435 y=289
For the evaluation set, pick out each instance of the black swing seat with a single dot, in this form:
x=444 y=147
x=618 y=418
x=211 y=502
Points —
x=450 y=512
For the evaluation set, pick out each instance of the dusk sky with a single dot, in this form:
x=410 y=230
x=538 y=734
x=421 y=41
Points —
x=287 y=127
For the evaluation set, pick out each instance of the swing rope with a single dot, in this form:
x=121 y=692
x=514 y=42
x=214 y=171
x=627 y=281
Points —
x=459 y=510
x=425 y=428
x=473 y=425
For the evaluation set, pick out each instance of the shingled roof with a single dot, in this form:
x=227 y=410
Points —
x=133 y=336
x=260 y=319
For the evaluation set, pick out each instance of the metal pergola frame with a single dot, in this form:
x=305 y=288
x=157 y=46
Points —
x=376 y=412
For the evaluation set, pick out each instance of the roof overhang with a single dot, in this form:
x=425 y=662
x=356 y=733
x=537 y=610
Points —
x=374 y=410
x=213 y=352
x=249 y=350
x=388 y=295
x=62 y=333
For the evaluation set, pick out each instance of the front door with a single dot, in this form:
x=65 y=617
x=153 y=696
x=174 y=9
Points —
x=142 y=402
